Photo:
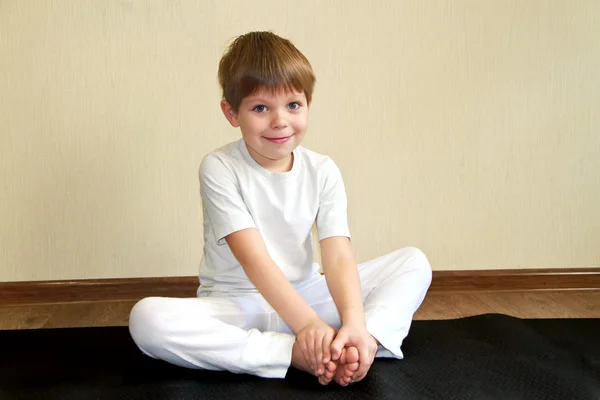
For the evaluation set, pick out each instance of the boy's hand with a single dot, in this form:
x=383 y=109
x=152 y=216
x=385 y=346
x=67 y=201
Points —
x=315 y=341
x=359 y=337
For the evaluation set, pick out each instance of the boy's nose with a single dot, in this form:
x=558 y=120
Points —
x=278 y=121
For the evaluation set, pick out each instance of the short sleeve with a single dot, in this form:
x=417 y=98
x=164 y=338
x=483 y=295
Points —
x=222 y=201
x=332 y=217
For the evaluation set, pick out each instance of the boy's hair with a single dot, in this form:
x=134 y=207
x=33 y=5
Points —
x=263 y=60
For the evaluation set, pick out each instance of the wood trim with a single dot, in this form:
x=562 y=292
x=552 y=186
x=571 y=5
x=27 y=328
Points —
x=48 y=292
x=516 y=280
x=74 y=291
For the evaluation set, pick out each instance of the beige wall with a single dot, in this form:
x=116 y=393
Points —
x=470 y=129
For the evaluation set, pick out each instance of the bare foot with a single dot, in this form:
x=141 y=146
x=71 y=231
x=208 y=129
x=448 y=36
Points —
x=348 y=364
x=327 y=377
x=300 y=363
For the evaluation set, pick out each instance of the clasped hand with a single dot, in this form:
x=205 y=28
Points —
x=321 y=343
x=315 y=342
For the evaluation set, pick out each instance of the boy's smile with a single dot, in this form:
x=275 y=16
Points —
x=272 y=125
x=279 y=140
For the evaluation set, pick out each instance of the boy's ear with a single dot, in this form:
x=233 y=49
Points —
x=229 y=113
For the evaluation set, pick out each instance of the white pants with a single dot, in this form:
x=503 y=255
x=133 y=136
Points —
x=243 y=334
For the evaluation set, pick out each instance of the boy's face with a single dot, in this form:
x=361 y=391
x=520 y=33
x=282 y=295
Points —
x=272 y=126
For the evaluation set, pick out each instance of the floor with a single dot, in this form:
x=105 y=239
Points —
x=539 y=304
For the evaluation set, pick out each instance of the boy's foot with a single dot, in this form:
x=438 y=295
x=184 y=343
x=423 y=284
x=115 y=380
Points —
x=327 y=377
x=300 y=363
x=347 y=366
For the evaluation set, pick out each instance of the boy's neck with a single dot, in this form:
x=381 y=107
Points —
x=283 y=165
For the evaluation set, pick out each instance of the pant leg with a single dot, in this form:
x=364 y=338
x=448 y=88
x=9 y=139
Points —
x=223 y=333
x=396 y=285
x=393 y=287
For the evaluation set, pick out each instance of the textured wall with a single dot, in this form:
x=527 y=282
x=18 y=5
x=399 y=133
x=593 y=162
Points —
x=470 y=129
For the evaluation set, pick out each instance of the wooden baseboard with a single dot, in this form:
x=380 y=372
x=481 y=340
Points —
x=75 y=291
x=516 y=280
x=48 y=292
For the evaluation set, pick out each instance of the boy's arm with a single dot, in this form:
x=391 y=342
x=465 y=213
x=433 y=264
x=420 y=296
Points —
x=341 y=274
x=343 y=281
x=312 y=333
x=248 y=247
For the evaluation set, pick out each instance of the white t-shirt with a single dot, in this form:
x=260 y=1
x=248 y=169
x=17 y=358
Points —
x=237 y=193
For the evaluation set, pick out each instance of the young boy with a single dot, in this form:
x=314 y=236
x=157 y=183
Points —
x=262 y=305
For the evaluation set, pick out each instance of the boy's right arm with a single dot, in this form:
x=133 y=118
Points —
x=313 y=334
x=249 y=249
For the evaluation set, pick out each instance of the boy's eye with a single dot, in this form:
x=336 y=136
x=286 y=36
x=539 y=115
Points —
x=294 y=105
x=260 y=108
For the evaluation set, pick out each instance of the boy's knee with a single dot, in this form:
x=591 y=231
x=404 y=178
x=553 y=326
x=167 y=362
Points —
x=420 y=263
x=146 y=324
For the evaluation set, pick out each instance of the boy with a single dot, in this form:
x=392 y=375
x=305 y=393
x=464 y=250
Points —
x=262 y=305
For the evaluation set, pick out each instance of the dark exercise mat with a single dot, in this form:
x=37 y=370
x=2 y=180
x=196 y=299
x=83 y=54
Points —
x=484 y=357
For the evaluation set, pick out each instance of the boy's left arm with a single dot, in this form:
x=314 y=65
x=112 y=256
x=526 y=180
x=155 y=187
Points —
x=341 y=274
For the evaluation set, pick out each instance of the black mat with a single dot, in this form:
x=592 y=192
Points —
x=483 y=357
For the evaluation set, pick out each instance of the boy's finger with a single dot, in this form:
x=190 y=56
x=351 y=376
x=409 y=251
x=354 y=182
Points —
x=337 y=345
x=363 y=366
x=327 y=347
x=319 y=355
x=304 y=349
x=311 y=352
x=358 y=378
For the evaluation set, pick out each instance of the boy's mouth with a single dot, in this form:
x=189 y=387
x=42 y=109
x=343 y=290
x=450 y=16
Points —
x=279 y=140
